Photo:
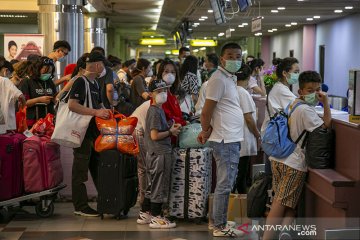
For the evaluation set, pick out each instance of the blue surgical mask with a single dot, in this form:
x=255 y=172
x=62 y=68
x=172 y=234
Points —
x=294 y=78
x=44 y=77
x=311 y=99
x=233 y=65
x=62 y=59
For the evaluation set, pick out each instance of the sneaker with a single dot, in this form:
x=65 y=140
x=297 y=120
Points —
x=227 y=232
x=144 y=218
x=229 y=224
x=87 y=212
x=161 y=222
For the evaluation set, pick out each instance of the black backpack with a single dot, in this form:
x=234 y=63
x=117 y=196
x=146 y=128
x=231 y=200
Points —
x=258 y=195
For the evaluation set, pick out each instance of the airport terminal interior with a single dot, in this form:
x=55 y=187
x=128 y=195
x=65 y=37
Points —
x=145 y=37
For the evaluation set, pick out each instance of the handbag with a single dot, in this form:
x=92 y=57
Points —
x=117 y=133
x=71 y=127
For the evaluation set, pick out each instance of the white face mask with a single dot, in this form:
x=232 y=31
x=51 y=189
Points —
x=161 y=98
x=150 y=73
x=169 y=78
x=102 y=73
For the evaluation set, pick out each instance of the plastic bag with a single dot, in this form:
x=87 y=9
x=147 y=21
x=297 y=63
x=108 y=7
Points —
x=44 y=126
x=116 y=133
x=188 y=136
x=21 y=125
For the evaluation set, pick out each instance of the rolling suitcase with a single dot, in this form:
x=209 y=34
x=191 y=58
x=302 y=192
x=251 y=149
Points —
x=11 y=180
x=190 y=183
x=41 y=164
x=117 y=183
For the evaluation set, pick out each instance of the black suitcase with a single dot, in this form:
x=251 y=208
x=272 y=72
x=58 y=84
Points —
x=117 y=183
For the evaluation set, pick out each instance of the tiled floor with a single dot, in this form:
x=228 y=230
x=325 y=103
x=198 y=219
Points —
x=64 y=225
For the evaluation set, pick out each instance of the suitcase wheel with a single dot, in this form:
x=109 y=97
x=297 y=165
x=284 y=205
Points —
x=44 y=209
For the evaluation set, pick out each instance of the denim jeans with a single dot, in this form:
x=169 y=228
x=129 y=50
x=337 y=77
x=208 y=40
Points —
x=227 y=159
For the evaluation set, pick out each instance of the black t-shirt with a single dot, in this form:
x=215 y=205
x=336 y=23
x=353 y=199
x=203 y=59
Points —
x=103 y=82
x=34 y=89
x=78 y=92
x=138 y=87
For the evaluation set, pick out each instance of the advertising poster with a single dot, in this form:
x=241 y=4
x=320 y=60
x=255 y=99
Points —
x=19 y=46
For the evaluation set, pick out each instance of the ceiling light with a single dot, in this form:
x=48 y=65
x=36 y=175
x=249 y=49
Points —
x=281 y=8
x=195 y=50
x=221 y=34
x=245 y=24
x=316 y=17
x=274 y=29
x=152 y=36
x=349 y=7
x=201 y=19
x=202 y=48
x=204 y=17
x=232 y=30
x=300 y=0
x=309 y=19
x=205 y=38
x=270 y=31
x=338 y=11
x=294 y=23
x=241 y=26
x=210 y=11
x=274 y=11
x=196 y=23
x=258 y=34
x=167 y=52
x=149 y=46
x=288 y=25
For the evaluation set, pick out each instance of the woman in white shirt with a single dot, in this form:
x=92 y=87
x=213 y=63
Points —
x=251 y=133
x=280 y=95
x=256 y=83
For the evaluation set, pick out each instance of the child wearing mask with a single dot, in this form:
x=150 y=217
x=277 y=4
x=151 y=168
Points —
x=289 y=174
x=158 y=160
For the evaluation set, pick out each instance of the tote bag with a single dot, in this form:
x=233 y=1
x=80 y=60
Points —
x=70 y=127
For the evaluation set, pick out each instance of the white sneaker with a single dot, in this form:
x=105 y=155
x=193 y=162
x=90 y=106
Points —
x=229 y=224
x=161 y=222
x=144 y=218
x=228 y=232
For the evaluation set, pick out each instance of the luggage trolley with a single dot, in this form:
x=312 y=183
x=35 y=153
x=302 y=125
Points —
x=44 y=208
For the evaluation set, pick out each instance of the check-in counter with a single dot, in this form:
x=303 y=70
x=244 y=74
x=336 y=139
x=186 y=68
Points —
x=332 y=196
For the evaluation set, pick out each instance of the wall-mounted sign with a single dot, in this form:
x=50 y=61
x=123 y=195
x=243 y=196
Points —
x=203 y=43
x=19 y=46
x=256 y=24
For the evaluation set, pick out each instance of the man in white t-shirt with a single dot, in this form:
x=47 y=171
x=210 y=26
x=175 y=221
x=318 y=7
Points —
x=289 y=173
x=140 y=114
x=9 y=93
x=222 y=124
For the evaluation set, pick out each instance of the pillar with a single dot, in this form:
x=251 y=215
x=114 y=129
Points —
x=95 y=33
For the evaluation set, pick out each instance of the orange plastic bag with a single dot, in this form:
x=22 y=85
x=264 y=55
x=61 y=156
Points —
x=44 y=126
x=116 y=133
x=21 y=125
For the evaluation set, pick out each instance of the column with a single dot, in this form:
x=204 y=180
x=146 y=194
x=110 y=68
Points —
x=95 y=33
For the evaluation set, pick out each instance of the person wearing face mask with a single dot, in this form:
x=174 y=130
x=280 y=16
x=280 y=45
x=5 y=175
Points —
x=106 y=81
x=211 y=64
x=39 y=90
x=139 y=89
x=85 y=157
x=61 y=49
x=256 y=82
x=168 y=72
x=222 y=123
x=289 y=174
x=280 y=95
x=159 y=158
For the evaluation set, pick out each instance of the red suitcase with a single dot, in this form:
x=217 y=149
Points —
x=11 y=181
x=42 y=164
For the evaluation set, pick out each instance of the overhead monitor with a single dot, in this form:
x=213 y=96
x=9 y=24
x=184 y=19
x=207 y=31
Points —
x=244 y=5
x=218 y=7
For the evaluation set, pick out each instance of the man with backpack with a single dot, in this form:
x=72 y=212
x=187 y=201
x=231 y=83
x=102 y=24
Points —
x=289 y=173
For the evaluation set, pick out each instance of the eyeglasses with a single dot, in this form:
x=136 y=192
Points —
x=48 y=61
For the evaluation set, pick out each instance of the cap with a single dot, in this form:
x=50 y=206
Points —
x=156 y=85
x=98 y=57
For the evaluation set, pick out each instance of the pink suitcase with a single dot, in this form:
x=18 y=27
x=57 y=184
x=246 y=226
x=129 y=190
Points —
x=11 y=181
x=42 y=164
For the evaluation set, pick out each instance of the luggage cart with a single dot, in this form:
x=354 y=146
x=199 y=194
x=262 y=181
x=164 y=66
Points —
x=44 y=208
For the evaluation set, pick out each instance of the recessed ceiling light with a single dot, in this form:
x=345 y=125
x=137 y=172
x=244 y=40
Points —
x=287 y=25
x=338 y=11
x=245 y=24
x=149 y=46
x=204 y=17
x=196 y=23
x=300 y=0
x=274 y=11
x=202 y=48
x=349 y=7
x=309 y=19
x=205 y=38
x=294 y=23
x=258 y=34
x=281 y=8
x=274 y=29
x=152 y=36
x=195 y=50
x=201 y=19
x=221 y=34
x=210 y=11
x=316 y=17
x=232 y=30
x=241 y=26
x=270 y=31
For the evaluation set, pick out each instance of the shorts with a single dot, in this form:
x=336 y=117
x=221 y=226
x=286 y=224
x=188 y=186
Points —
x=287 y=184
